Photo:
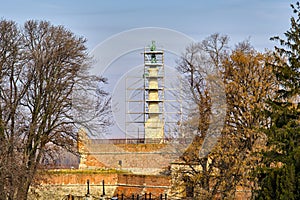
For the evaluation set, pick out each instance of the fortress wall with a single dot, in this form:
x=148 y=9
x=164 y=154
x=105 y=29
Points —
x=136 y=158
x=58 y=186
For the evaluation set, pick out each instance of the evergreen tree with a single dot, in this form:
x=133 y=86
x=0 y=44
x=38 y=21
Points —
x=280 y=176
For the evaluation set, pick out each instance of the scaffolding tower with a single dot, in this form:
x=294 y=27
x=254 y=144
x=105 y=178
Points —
x=154 y=93
x=149 y=115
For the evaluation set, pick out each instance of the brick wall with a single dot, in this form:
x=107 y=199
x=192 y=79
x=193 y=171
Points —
x=57 y=186
x=137 y=158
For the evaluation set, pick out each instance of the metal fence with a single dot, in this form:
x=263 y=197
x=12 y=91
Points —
x=146 y=196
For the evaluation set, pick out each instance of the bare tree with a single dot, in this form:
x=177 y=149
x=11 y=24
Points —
x=11 y=95
x=196 y=65
x=44 y=87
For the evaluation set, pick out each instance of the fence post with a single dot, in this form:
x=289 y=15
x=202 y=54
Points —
x=103 y=188
x=88 y=187
x=165 y=196
x=70 y=197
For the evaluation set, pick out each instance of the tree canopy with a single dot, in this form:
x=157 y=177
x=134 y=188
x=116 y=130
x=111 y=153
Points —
x=280 y=172
x=248 y=82
x=44 y=82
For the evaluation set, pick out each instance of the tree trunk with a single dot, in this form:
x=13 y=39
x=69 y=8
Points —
x=23 y=188
x=2 y=192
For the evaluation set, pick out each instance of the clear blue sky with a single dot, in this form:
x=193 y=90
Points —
x=97 y=20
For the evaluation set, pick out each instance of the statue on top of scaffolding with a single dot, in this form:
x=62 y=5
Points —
x=153 y=48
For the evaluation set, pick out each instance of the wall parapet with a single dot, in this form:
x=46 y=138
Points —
x=57 y=184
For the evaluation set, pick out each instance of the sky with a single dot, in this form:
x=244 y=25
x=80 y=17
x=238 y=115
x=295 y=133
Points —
x=96 y=20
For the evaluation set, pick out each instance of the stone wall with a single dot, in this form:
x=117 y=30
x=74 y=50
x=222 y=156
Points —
x=141 y=184
x=58 y=185
x=136 y=158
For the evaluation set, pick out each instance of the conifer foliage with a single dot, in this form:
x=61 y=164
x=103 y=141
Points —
x=280 y=174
